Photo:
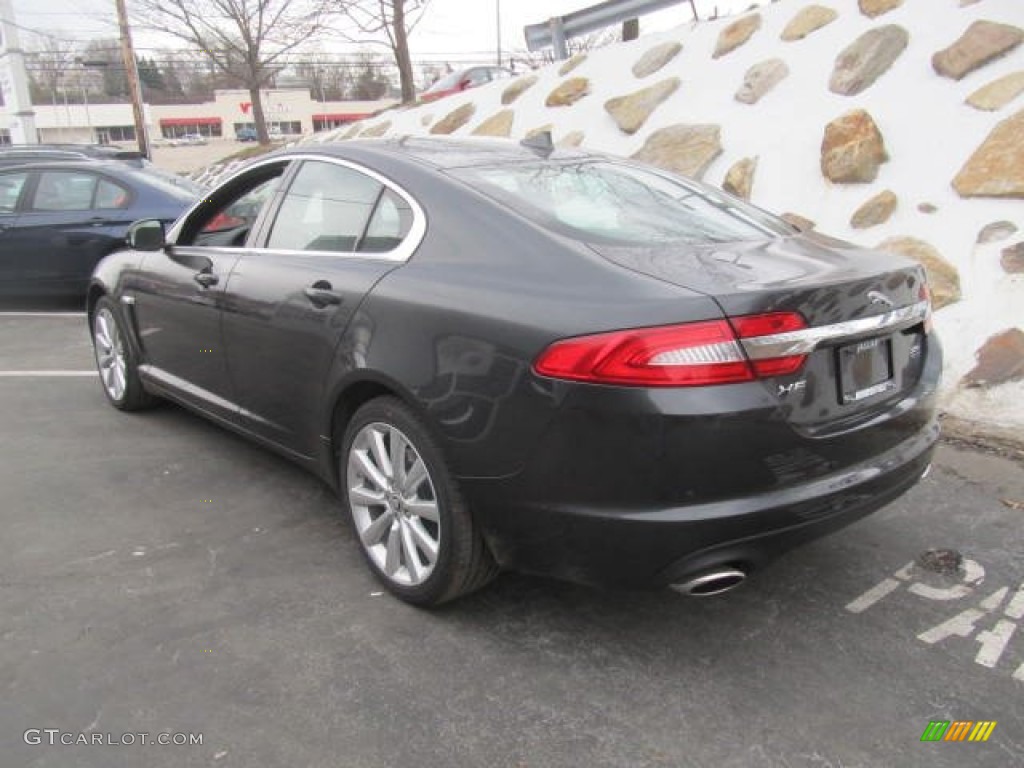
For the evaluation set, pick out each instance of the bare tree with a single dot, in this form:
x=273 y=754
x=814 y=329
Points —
x=244 y=39
x=47 y=61
x=395 y=19
x=328 y=76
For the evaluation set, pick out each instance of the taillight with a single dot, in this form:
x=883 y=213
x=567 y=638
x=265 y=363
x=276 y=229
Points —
x=687 y=355
x=771 y=324
x=925 y=294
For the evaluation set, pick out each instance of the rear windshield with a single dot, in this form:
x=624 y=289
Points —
x=615 y=203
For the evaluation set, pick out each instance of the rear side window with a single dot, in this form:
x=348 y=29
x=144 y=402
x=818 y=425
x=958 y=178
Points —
x=10 y=189
x=328 y=208
x=64 y=191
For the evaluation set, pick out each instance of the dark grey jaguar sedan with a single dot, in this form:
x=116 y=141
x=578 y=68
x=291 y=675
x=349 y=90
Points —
x=504 y=355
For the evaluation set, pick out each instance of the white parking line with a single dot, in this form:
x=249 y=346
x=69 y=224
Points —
x=56 y=374
x=42 y=314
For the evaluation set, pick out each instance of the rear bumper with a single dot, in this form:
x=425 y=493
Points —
x=654 y=546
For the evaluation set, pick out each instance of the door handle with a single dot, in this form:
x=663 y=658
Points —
x=206 y=279
x=321 y=294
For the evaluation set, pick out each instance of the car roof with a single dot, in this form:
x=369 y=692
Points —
x=84 y=164
x=438 y=152
x=91 y=149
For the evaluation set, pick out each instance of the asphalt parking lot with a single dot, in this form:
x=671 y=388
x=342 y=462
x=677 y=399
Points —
x=160 y=576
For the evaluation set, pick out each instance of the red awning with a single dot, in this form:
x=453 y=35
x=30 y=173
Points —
x=341 y=117
x=190 y=121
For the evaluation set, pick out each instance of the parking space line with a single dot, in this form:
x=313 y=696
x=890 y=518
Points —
x=42 y=314
x=58 y=374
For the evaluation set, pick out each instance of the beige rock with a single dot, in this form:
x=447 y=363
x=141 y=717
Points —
x=739 y=180
x=1012 y=259
x=571 y=139
x=875 y=211
x=998 y=93
x=376 y=130
x=983 y=42
x=760 y=79
x=631 y=111
x=656 y=58
x=867 y=58
x=353 y=131
x=996 y=169
x=808 y=20
x=852 y=149
x=568 y=92
x=736 y=34
x=875 y=8
x=943 y=279
x=498 y=124
x=454 y=119
x=684 y=149
x=517 y=88
x=996 y=231
x=546 y=128
x=572 y=63
x=802 y=223
x=1000 y=360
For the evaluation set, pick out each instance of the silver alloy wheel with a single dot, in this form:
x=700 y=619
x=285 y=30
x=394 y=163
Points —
x=393 y=504
x=110 y=357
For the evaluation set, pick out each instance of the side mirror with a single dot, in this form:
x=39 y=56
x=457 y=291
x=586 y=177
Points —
x=146 y=235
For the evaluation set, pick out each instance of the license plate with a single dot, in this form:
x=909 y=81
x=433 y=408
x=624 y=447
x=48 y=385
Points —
x=865 y=370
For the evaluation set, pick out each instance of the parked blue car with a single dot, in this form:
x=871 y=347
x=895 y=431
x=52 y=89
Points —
x=57 y=220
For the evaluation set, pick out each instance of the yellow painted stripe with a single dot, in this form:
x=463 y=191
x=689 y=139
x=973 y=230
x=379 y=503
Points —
x=984 y=730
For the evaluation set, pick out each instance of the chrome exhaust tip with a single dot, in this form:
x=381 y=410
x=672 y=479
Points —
x=714 y=582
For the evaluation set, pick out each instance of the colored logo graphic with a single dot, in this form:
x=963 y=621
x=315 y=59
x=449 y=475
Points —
x=958 y=730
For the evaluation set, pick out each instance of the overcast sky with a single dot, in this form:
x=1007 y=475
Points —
x=451 y=27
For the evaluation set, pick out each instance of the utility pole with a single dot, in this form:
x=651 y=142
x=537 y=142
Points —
x=131 y=70
x=14 y=79
x=497 y=18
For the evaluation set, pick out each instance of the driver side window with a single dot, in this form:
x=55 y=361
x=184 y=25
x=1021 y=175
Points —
x=225 y=220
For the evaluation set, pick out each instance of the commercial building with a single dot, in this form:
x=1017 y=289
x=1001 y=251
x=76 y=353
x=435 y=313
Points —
x=289 y=111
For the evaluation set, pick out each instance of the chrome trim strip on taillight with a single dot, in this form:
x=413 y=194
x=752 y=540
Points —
x=806 y=340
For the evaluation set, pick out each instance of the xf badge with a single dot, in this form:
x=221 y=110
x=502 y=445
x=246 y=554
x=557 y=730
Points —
x=788 y=389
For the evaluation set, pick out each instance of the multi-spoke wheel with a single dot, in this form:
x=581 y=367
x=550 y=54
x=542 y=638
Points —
x=114 y=359
x=393 y=504
x=414 y=528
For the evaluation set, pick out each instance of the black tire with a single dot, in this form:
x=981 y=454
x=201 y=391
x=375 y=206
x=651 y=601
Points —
x=463 y=562
x=116 y=360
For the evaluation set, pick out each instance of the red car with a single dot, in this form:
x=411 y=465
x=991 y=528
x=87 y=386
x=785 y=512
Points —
x=464 y=79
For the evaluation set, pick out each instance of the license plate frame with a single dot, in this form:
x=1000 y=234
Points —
x=865 y=369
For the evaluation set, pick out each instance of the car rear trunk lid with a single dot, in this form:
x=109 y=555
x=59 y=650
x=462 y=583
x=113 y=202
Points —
x=866 y=314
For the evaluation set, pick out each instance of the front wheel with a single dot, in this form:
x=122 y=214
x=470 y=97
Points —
x=115 y=360
x=416 y=532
